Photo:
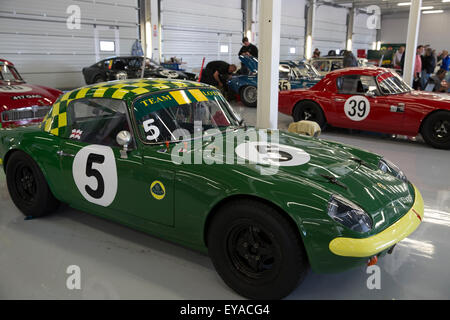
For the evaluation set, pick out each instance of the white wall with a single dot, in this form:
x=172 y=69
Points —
x=434 y=29
x=35 y=37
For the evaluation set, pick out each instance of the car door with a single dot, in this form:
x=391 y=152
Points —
x=360 y=105
x=101 y=177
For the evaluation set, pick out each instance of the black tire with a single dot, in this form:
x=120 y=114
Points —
x=436 y=130
x=311 y=111
x=27 y=186
x=256 y=251
x=249 y=96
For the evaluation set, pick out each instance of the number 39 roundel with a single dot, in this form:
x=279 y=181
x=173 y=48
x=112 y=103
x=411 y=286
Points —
x=95 y=174
x=357 y=108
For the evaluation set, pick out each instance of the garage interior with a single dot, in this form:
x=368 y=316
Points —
x=51 y=42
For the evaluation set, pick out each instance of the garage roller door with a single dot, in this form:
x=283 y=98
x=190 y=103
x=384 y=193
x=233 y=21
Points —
x=35 y=36
x=192 y=30
x=363 y=37
x=330 y=28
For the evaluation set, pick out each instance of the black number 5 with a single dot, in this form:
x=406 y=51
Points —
x=90 y=172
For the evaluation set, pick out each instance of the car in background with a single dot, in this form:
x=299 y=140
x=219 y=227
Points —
x=265 y=210
x=326 y=64
x=291 y=76
x=121 y=68
x=372 y=99
x=22 y=103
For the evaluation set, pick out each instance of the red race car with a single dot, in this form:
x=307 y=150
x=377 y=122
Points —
x=372 y=99
x=21 y=103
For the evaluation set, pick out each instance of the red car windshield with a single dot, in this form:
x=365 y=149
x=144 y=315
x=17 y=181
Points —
x=391 y=83
x=9 y=73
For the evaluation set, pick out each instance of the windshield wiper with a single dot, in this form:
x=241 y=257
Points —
x=335 y=181
x=360 y=162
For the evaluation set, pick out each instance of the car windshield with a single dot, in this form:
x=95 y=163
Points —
x=9 y=73
x=307 y=70
x=180 y=114
x=391 y=83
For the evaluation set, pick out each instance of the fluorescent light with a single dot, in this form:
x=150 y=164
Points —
x=403 y=4
x=427 y=8
x=308 y=51
x=432 y=11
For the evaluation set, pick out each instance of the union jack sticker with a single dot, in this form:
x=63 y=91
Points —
x=76 y=134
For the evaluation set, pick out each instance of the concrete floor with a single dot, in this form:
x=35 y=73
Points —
x=117 y=262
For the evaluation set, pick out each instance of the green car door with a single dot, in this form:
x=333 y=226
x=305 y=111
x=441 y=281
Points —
x=95 y=174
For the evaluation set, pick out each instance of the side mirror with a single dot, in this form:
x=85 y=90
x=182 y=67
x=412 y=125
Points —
x=123 y=139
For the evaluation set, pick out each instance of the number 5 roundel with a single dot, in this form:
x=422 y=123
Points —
x=357 y=108
x=95 y=174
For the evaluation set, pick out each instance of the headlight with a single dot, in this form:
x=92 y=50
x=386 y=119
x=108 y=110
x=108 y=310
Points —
x=388 y=167
x=349 y=214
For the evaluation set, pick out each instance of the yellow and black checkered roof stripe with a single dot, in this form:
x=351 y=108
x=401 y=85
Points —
x=56 y=119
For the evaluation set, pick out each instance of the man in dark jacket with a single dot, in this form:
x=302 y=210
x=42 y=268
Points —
x=248 y=49
x=217 y=73
x=428 y=66
x=350 y=60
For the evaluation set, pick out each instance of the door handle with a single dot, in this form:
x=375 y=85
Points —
x=339 y=100
x=63 y=154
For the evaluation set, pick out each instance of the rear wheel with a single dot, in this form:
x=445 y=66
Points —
x=27 y=186
x=308 y=110
x=249 y=96
x=436 y=130
x=256 y=251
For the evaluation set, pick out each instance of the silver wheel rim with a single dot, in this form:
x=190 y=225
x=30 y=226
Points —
x=250 y=94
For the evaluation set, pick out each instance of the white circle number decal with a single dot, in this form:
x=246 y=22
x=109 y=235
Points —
x=272 y=154
x=357 y=108
x=95 y=174
x=15 y=89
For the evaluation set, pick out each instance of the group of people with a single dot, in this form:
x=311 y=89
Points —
x=425 y=65
x=217 y=73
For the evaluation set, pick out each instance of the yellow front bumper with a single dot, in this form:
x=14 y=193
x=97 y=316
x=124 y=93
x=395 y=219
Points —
x=367 y=247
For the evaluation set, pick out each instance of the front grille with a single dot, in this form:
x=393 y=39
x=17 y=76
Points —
x=23 y=114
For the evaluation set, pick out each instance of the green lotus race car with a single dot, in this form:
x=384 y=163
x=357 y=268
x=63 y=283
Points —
x=172 y=159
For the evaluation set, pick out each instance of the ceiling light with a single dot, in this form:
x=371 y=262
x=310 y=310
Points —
x=432 y=11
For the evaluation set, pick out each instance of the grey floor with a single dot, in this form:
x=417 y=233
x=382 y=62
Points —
x=120 y=263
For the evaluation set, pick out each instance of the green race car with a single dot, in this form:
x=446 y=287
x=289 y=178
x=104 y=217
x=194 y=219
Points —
x=172 y=159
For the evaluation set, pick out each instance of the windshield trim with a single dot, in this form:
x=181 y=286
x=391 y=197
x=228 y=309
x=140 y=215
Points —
x=393 y=75
x=136 y=127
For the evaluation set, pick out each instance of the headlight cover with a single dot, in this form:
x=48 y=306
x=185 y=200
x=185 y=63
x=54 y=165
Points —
x=388 y=167
x=349 y=214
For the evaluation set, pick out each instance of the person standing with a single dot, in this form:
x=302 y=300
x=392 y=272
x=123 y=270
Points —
x=445 y=61
x=428 y=66
x=350 y=59
x=398 y=58
x=316 y=53
x=437 y=82
x=247 y=49
x=417 y=84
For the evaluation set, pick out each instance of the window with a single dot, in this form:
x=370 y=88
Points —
x=356 y=84
x=107 y=46
x=96 y=121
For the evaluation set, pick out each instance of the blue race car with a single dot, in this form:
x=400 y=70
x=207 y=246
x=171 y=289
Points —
x=293 y=75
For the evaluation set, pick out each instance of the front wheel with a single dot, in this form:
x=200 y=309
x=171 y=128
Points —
x=436 y=130
x=256 y=251
x=27 y=186
x=249 y=96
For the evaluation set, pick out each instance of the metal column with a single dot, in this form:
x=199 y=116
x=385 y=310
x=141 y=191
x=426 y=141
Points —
x=411 y=41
